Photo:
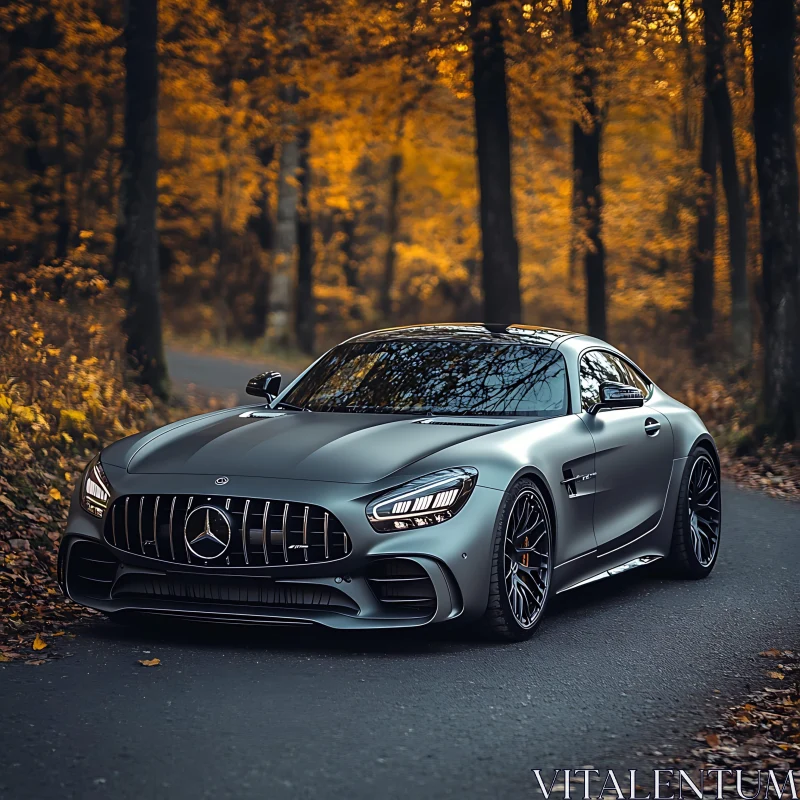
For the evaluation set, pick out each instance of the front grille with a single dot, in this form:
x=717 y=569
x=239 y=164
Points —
x=231 y=591
x=262 y=532
x=402 y=583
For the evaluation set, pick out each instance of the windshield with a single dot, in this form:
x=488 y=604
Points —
x=435 y=377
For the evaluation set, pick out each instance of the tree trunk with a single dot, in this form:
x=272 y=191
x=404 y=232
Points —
x=776 y=162
x=500 y=274
x=261 y=225
x=304 y=318
x=347 y=223
x=685 y=137
x=137 y=236
x=283 y=276
x=703 y=256
x=392 y=223
x=62 y=210
x=717 y=89
x=588 y=201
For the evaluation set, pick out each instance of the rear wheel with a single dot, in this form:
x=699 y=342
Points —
x=698 y=518
x=521 y=564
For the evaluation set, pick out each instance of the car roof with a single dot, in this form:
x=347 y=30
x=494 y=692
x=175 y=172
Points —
x=471 y=331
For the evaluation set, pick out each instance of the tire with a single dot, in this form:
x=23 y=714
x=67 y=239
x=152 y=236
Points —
x=698 y=519
x=501 y=620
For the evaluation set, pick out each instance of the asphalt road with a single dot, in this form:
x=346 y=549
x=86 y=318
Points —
x=621 y=674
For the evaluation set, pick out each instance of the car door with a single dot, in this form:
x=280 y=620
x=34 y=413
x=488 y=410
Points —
x=633 y=454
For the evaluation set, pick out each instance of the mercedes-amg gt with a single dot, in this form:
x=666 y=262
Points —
x=408 y=477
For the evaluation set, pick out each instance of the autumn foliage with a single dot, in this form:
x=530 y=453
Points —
x=65 y=393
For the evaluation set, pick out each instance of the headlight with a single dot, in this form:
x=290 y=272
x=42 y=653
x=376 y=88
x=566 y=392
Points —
x=424 y=501
x=95 y=489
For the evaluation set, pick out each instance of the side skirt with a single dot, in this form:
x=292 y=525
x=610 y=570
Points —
x=641 y=561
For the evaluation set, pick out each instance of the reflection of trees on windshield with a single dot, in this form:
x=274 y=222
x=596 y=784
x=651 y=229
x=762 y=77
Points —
x=436 y=377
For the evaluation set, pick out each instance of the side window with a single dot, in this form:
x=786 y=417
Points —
x=596 y=368
x=632 y=376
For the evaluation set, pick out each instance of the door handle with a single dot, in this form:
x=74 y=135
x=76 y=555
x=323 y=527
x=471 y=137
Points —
x=652 y=426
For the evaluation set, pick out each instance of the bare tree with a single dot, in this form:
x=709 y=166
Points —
x=501 y=294
x=587 y=197
x=717 y=91
x=703 y=255
x=137 y=237
x=304 y=305
x=774 y=26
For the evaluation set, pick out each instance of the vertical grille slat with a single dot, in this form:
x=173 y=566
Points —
x=283 y=534
x=155 y=526
x=276 y=530
x=171 y=540
x=244 y=531
x=127 y=536
x=185 y=518
x=265 y=533
x=305 y=534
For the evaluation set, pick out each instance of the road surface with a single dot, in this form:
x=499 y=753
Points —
x=621 y=674
x=222 y=377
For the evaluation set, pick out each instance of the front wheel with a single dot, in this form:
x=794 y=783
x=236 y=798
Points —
x=698 y=518
x=521 y=565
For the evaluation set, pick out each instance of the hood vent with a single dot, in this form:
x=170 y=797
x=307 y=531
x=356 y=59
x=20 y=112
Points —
x=458 y=422
x=261 y=413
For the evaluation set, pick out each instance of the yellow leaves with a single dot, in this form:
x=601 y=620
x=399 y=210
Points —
x=39 y=643
x=8 y=502
x=778 y=676
x=54 y=494
x=773 y=653
x=150 y=662
x=24 y=414
x=73 y=421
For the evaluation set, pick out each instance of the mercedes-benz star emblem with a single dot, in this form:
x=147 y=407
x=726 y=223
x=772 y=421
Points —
x=221 y=481
x=207 y=532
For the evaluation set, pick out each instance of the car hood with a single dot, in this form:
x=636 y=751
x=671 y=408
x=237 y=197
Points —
x=341 y=447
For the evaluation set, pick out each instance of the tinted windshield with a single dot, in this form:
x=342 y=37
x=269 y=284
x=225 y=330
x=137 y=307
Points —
x=436 y=377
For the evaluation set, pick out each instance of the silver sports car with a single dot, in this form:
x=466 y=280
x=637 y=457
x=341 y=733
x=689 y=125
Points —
x=408 y=477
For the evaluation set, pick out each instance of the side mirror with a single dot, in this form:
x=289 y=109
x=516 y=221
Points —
x=618 y=395
x=267 y=384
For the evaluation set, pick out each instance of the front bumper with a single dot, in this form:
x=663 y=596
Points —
x=448 y=564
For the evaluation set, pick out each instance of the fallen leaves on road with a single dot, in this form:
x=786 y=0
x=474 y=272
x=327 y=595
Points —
x=764 y=729
x=150 y=662
x=773 y=470
x=39 y=643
